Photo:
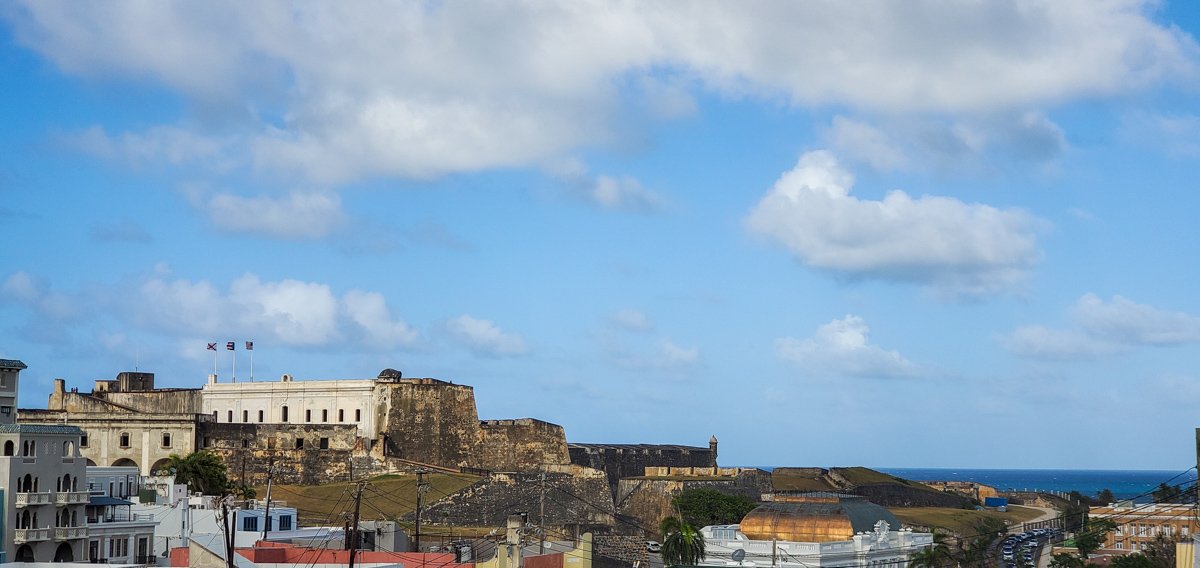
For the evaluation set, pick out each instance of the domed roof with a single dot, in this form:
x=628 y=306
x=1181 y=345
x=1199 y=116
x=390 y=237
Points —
x=815 y=517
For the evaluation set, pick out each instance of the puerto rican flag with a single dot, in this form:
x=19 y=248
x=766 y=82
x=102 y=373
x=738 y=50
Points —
x=249 y=346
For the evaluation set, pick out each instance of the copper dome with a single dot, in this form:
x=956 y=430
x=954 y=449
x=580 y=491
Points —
x=816 y=517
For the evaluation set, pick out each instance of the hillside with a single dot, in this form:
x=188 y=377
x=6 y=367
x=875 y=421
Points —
x=384 y=497
x=879 y=487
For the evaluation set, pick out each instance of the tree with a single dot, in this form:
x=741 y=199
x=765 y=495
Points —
x=1105 y=496
x=1161 y=551
x=937 y=554
x=201 y=471
x=682 y=544
x=1167 y=494
x=1135 y=560
x=703 y=507
x=974 y=552
x=1066 y=560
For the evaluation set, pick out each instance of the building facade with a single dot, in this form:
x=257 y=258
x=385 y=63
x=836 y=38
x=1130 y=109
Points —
x=116 y=534
x=1139 y=525
x=44 y=486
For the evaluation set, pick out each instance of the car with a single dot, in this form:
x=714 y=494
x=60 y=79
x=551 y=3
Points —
x=652 y=546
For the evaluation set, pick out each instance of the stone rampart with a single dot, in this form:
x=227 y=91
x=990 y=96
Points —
x=430 y=421
x=523 y=444
x=302 y=454
x=647 y=500
x=574 y=502
x=631 y=460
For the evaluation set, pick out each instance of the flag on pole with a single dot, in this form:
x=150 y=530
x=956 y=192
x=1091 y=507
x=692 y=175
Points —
x=212 y=346
x=229 y=346
x=249 y=346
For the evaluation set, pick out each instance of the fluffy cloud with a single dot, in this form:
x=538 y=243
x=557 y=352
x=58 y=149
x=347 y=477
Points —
x=842 y=347
x=632 y=320
x=1101 y=328
x=23 y=288
x=485 y=338
x=295 y=216
x=665 y=355
x=957 y=248
x=287 y=312
x=348 y=90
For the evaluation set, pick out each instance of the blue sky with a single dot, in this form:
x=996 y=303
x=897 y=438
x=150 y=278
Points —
x=889 y=234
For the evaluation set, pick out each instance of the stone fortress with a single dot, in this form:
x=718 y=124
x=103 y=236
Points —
x=322 y=431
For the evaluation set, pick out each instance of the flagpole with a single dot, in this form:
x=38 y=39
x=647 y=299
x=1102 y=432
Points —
x=234 y=353
x=252 y=361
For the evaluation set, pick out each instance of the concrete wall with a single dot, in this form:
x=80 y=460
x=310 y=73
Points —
x=176 y=401
x=521 y=445
x=129 y=438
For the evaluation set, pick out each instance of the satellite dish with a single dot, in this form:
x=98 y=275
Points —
x=739 y=555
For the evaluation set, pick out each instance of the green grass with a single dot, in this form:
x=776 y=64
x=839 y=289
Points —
x=386 y=496
x=961 y=521
x=799 y=483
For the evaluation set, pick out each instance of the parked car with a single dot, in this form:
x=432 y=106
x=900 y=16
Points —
x=652 y=546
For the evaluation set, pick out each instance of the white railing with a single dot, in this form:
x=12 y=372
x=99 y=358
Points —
x=70 y=533
x=30 y=535
x=27 y=499
x=72 y=498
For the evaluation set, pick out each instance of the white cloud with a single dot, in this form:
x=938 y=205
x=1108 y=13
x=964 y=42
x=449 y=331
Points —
x=172 y=145
x=865 y=143
x=1102 y=328
x=295 y=216
x=23 y=288
x=1177 y=134
x=1123 y=321
x=1038 y=342
x=621 y=193
x=957 y=248
x=666 y=355
x=672 y=355
x=485 y=338
x=842 y=347
x=347 y=90
x=632 y=320
x=287 y=312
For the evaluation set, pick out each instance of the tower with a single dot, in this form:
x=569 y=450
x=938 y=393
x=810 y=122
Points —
x=9 y=371
x=712 y=447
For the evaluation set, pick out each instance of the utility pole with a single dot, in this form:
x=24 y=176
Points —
x=354 y=524
x=542 y=514
x=422 y=487
x=267 y=511
x=229 y=523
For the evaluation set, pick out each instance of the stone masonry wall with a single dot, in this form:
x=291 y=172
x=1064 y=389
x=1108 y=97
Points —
x=630 y=460
x=523 y=444
x=249 y=449
x=575 y=502
x=430 y=421
x=646 y=501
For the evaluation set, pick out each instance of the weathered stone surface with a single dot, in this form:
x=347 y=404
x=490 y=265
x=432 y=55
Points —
x=646 y=501
x=302 y=454
x=576 y=500
x=521 y=445
x=630 y=460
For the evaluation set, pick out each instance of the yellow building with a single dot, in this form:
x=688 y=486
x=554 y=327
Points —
x=1138 y=525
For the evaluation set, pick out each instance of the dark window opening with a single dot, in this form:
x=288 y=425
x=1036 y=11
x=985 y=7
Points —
x=324 y=443
x=299 y=443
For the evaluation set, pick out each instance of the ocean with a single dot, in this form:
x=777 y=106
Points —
x=1125 y=484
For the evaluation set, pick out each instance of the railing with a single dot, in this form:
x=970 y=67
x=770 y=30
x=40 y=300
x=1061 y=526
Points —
x=21 y=536
x=120 y=518
x=70 y=533
x=72 y=498
x=27 y=499
x=149 y=560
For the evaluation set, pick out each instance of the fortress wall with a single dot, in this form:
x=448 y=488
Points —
x=175 y=401
x=620 y=461
x=647 y=501
x=574 y=502
x=430 y=421
x=522 y=444
x=249 y=449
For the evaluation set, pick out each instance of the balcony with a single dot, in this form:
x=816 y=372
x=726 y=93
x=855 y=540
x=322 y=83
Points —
x=33 y=499
x=71 y=498
x=120 y=518
x=21 y=536
x=70 y=533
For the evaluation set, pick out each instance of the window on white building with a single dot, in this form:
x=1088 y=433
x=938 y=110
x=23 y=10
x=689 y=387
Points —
x=250 y=524
x=166 y=439
x=124 y=439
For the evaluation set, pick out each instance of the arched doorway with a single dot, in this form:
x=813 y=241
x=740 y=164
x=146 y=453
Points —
x=25 y=553
x=91 y=463
x=64 y=553
x=124 y=461
x=160 y=467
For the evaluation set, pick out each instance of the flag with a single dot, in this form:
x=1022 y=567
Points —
x=249 y=346
x=229 y=346
x=212 y=346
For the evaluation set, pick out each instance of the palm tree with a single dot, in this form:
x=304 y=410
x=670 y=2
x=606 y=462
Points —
x=200 y=471
x=935 y=555
x=683 y=545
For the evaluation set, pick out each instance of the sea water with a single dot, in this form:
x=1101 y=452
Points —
x=1125 y=484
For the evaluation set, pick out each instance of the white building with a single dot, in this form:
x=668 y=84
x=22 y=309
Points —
x=811 y=531
x=348 y=401
x=117 y=534
x=43 y=493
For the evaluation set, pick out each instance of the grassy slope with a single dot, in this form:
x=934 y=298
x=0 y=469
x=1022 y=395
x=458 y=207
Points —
x=961 y=521
x=387 y=496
